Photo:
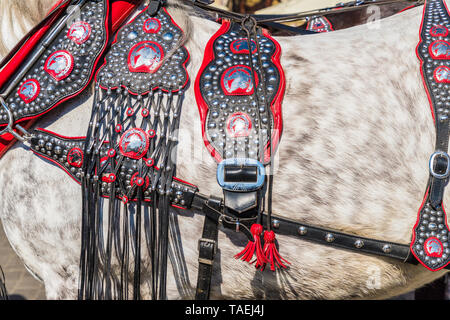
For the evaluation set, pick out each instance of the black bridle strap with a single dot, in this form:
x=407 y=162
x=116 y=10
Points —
x=207 y=247
x=324 y=236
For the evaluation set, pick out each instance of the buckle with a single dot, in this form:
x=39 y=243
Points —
x=432 y=166
x=206 y=260
x=240 y=174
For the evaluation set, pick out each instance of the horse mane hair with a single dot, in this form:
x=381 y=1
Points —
x=19 y=16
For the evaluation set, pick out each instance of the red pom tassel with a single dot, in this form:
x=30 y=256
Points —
x=254 y=246
x=271 y=253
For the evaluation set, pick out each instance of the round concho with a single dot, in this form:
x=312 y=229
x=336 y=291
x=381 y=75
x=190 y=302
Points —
x=79 y=32
x=439 y=31
x=239 y=124
x=145 y=57
x=152 y=25
x=139 y=181
x=433 y=247
x=442 y=74
x=75 y=157
x=59 y=65
x=134 y=143
x=237 y=80
x=240 y=46
x=29 y=90
x=440 y=49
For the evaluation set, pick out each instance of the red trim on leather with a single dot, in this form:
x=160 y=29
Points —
x=434 y=122
x=445 y=56
x=275 y=104
x=60 y=136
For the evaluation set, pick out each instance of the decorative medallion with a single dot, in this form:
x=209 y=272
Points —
x=139 y=181
x=79 y=32
x=433 y=247
x=239 y=124
x=134 y=143
x=237 y=80
x=440 y=49
x=75 y=157
x=152 y=25
x=240 y=46
x=29 y=90
x=145 y=57
x=439 y=31
x=442 y=74
x=319 y=24
x=59 y=65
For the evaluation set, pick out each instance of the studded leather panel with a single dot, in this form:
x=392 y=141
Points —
x=64 y=68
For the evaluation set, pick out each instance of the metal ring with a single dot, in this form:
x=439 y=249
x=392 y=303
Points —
x=8 y=128
x=431 y=165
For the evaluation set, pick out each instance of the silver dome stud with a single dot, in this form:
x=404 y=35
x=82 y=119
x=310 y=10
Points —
x=329 y=237
x=359 y=243
x=302 y=230
x=387 y=248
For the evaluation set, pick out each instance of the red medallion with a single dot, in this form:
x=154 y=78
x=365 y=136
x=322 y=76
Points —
x=134 y=143
x=59 y=65
x=442 y=74
x=433 y=247
x=240 y=46
x=237 y=80
x=145 y=57
x=79 y=32
x=29 y=90
x=75 y=157
x=239 y=124
x=152 y=25
x=439 y=31
x=440 y=49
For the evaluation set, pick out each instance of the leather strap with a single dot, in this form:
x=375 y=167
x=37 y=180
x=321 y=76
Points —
x=207 y=247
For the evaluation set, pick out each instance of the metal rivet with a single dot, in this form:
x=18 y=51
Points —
x=302 y=230
x=329 y=237
x=387 y=248
x=359 y=243
x=276 y=224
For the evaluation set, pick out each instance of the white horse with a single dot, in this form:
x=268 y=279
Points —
x=358 y=134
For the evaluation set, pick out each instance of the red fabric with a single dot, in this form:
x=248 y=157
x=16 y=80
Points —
x=120 y=10
x=254 y=247
x=271 y=253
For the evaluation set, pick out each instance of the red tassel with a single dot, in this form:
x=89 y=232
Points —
x=253 y=246
x=271 y=253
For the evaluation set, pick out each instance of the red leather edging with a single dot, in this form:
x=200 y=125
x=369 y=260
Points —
x=434 y=122
x=275 y=105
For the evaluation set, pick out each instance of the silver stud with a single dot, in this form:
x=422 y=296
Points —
x=329 y=237
x=359 y=243
x=276 y=224
x=387 y=248
x=302 y=230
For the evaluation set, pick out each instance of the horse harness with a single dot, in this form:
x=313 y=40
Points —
x=129 y=153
